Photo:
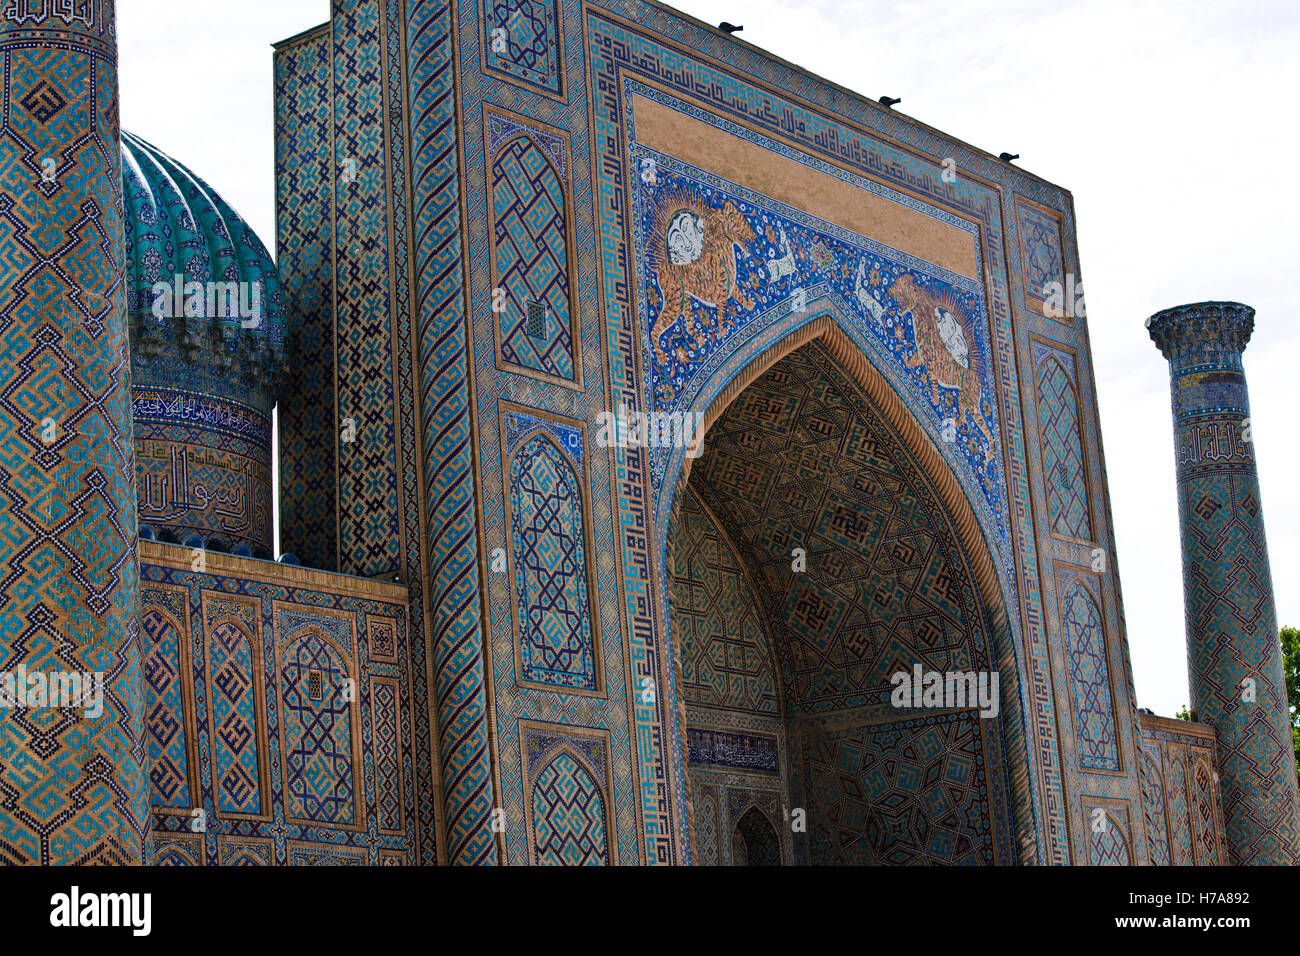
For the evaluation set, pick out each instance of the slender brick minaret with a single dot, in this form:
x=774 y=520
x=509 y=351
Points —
x=72 y=780
x=1232 y=637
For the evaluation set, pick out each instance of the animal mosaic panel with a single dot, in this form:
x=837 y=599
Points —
x=1181 y=794
x=1083 y=636
x=276 y=649
x=567 y=773
x=718 y=624
x=522 y=41
x=530 y=249
x=801 y=460
x=549 y=541
x=720 y=264
x=1058 y=428
x=906 y=792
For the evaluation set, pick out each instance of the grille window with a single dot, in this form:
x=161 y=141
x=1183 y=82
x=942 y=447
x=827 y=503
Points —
x=535 y=323
x=314 y=685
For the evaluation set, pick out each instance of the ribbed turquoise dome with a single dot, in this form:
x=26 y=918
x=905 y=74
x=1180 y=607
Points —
x=206 y=322
x=176 y=225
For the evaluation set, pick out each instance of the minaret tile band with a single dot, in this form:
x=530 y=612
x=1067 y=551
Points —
x=72 y=778
x=1227 y=588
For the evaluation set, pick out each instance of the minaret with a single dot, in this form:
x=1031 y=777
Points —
x=1234 y=660
x=73 y=781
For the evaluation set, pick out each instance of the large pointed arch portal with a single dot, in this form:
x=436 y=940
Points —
x=818 y=547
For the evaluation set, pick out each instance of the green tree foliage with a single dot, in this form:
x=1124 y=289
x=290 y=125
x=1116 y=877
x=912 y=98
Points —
x=1290 y=638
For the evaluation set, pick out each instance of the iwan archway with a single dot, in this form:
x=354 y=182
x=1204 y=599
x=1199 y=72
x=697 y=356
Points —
x=817 y=547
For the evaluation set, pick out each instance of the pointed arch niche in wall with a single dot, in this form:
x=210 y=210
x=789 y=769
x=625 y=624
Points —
x=1091 y=678
x=168 y=671
x=530 y=246
x=754 y=841
x=1060 y=439
x=554 y=604
x=809 y=446
x=320 y=719
x=567 y=792
x=234 y=668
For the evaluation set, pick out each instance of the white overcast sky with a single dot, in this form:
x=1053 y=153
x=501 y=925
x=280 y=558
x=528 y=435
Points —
x=1173 y=124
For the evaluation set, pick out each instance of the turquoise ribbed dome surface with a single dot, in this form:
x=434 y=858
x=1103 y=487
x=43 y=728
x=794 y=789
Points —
x=176 y=225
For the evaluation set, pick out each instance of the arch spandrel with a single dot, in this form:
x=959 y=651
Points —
x=730 y=280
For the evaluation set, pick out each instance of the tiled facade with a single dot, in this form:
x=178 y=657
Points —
x=515 y=641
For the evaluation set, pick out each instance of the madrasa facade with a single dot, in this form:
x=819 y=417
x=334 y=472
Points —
x=681 y=460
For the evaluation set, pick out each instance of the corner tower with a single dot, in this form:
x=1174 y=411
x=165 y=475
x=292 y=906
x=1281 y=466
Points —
x=73 y=779
x=1233 y=657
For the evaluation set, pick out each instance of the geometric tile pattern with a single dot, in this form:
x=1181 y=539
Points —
x=717 y=622
x=530 y=256
x=569 y=815
x=1040 y=248
x=235 y=717
x=1180 y=793
x=756 y=839
x=809 y=121
x=522 y=41
x=550 y=566
x=165 y=711
x=1107 y=845
x=1204 y=812
x=317 y=694
x=1153 y=808
x=1058 y=426
x=484 y=131
x=308 y=425
x=907 y=792
x=456 y=650
x=1084 y=640
x=1182 y=842
x=303 y=785
x=799 y=460
x=387 y=744
x=369 y=523
x=1232 y=633
x=706 y=825
x=71 y=790
x=567 y=799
